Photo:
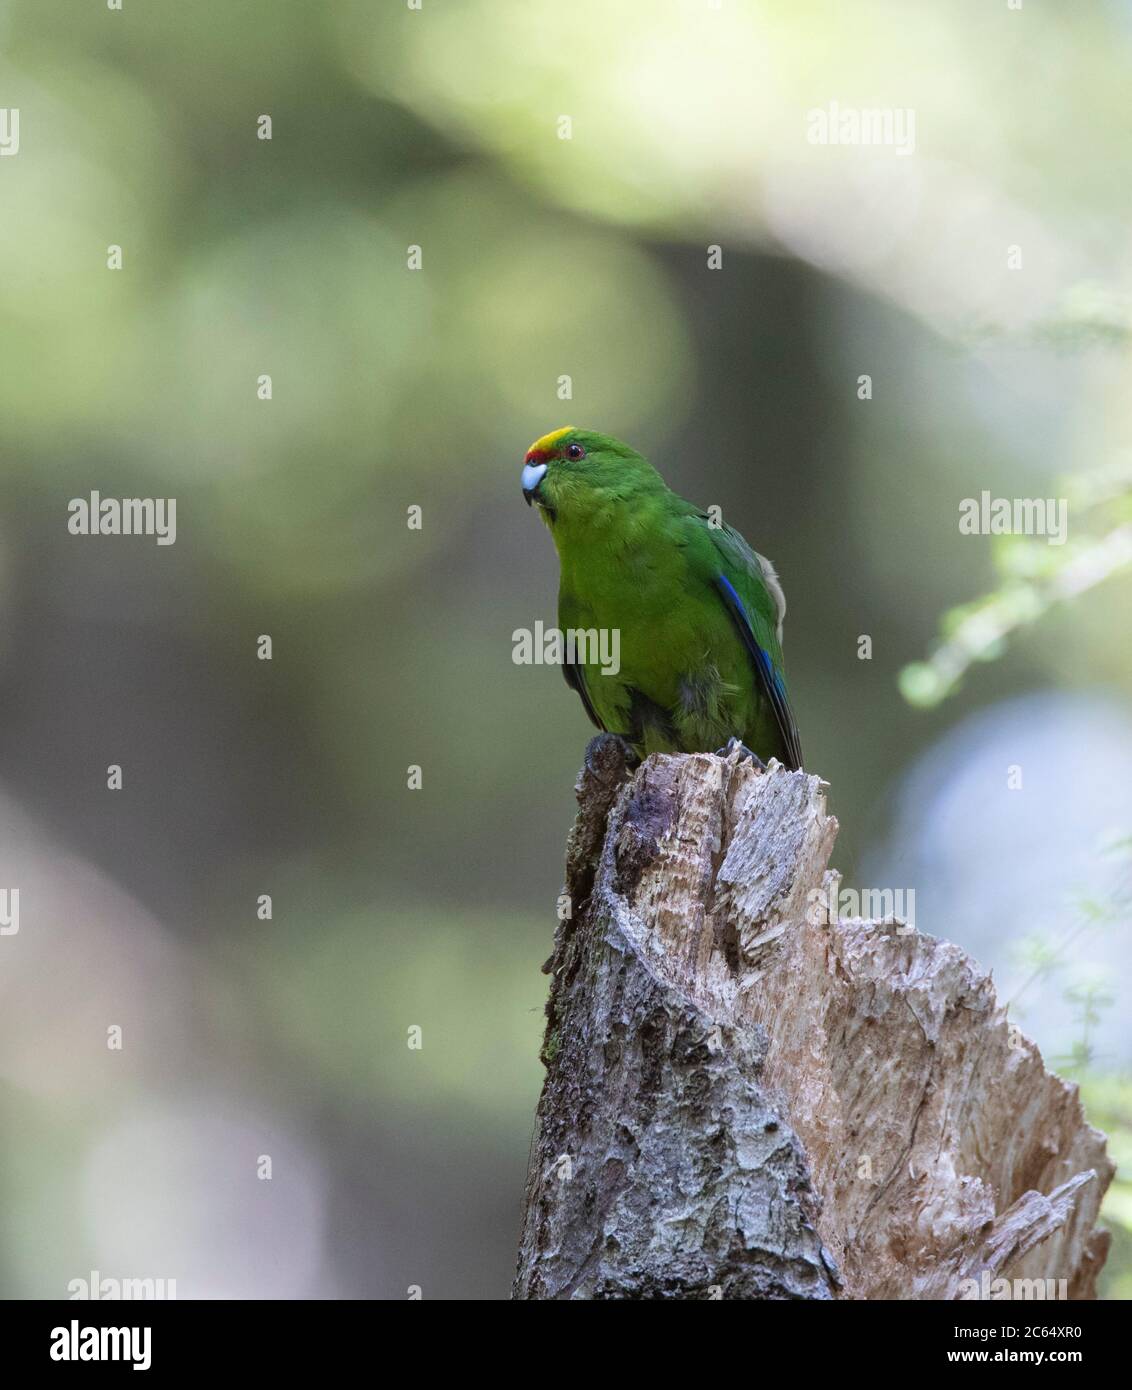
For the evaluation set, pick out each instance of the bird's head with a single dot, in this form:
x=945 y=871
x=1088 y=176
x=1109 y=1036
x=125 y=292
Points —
x=577 y=476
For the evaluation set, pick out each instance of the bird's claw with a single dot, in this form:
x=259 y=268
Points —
x=601 y=745
x=632 y=757
x=735 y=745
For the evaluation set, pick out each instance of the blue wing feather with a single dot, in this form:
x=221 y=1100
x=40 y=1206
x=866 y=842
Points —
x=767 y=675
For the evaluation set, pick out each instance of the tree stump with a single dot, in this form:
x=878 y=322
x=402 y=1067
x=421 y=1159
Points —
x=746 y=1099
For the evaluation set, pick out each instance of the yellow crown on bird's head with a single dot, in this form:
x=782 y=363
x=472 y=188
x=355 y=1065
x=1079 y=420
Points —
x=543 y=448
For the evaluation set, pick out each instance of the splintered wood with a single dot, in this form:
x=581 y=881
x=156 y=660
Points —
x=748 y=1098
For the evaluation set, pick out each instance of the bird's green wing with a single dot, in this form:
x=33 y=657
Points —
x=576 y=680
x=749 y=590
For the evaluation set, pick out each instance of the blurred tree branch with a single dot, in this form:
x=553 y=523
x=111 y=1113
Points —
x=1036 y=577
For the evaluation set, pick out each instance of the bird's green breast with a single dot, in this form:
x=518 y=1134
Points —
x=677 y=646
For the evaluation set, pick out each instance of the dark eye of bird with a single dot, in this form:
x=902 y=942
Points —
x=575 y=451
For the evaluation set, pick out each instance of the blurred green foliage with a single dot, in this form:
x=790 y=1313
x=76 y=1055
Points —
x=1034 y=576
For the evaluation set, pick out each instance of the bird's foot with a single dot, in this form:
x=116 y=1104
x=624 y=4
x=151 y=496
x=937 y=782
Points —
x=606 y=748
x=735 y=745
x=633 y=759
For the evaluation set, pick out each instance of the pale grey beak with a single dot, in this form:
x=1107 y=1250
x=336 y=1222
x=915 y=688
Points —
x=533 y=474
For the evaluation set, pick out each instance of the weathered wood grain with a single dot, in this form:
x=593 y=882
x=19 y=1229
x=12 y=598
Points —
x=745 y=1100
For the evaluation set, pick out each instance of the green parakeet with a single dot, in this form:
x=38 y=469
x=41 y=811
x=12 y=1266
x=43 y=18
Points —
x=698 y=612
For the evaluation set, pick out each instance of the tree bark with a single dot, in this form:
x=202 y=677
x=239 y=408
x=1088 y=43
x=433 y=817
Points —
x=745 y=1099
